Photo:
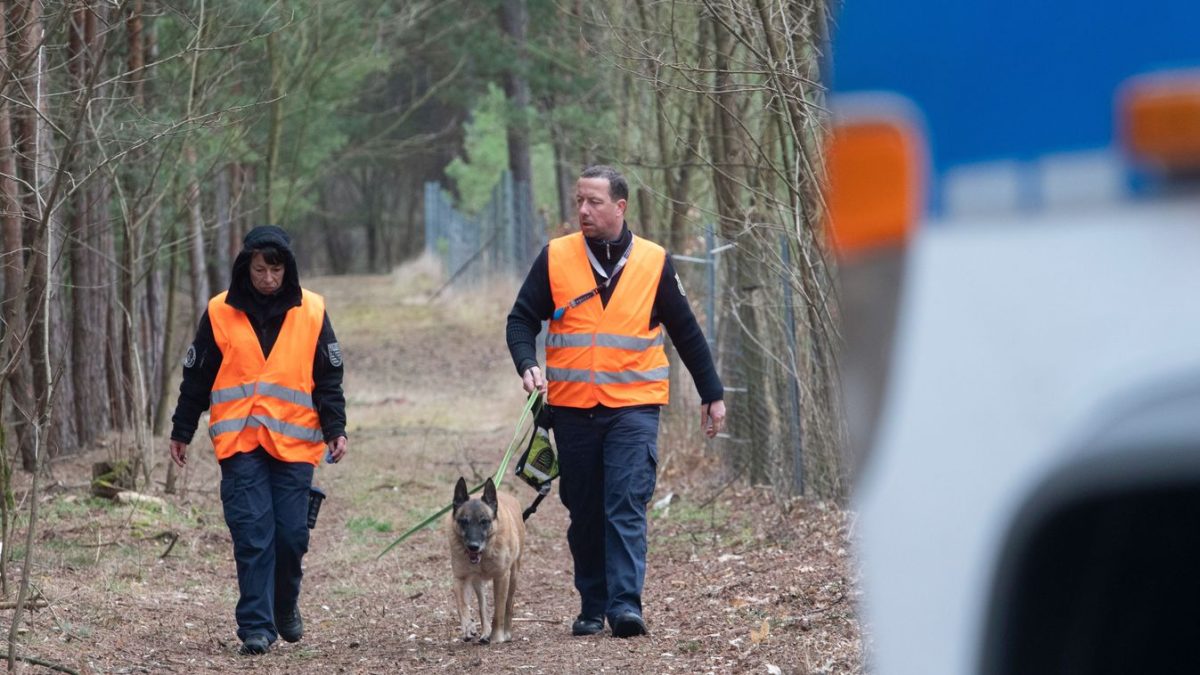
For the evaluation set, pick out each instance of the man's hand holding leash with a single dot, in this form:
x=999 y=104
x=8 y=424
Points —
x=533 y=379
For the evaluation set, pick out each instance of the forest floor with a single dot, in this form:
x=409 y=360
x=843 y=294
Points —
x=735 y=582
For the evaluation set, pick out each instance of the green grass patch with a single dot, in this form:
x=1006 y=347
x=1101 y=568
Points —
x=364 y=524
x=687 y=525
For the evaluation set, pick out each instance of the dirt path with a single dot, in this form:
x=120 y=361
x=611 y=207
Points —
x=733 y=585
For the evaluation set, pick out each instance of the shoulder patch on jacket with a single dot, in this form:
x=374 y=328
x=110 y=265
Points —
x=335 y=354
x=679 y=282
x=189 y=359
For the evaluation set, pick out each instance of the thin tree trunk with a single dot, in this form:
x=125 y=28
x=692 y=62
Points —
x=5 y=478
x=14 y=311
x=276 y=130
x=335 y=251
x=223 y=212
x=200 y=292
x=514 y=22
x=87 y=338
x=164 y=381
x=143 y=48
x=43 y=227
x=741 y=357
x=43 y=380
x=564 y=177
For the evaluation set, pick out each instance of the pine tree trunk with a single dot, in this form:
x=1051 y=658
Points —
x=88 y=338
x=16 y=337
x=741 y=359
x=49 y=340
x=200 y=292
x=276 y=129
x=514 y=22
x=223 y=212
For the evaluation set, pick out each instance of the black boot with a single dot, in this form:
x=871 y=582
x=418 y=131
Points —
x=290 y=626
x=587 y=625
x=255 y=644
x=628 y=625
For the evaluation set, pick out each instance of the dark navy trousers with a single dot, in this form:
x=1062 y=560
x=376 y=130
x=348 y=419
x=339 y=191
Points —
x=608 y=459
x=266 y=509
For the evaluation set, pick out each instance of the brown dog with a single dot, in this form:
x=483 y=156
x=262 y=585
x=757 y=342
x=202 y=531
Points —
x=487 y=538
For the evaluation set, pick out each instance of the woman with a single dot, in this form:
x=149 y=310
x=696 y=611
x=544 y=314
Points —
x=267 y=361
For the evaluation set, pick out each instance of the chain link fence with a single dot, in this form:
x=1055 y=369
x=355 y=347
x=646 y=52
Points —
x=498 y=241
x=746 y=300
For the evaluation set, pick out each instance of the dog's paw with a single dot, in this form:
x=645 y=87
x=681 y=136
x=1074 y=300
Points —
x=484 y=641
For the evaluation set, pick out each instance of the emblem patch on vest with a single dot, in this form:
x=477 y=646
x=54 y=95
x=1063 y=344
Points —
x=335 y=354
x=189 y=359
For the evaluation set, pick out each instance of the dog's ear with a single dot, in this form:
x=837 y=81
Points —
x=489 y=495
x=461 y=496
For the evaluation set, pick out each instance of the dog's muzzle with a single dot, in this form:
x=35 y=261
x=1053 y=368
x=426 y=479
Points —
x=474 y=554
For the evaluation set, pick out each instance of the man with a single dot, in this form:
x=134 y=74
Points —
x=266 y=358
x=608 y=295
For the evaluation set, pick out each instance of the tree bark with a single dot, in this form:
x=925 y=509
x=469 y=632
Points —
x=16 y=333
x=740 y=357
x=50 y=341
x=88 y=337
x=275 y=60
x=564 y=177
x=514 y=22
x=200 y=291
x=223 y=212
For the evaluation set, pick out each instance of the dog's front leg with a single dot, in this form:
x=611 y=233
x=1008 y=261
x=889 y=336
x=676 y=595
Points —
x=484 y=620
x=464 y=615
x=513 y=574
x=500 y=622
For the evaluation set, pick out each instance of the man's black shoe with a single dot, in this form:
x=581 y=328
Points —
x=587 y=625
x=255 y=644
x=628 y=625
x=290 y=626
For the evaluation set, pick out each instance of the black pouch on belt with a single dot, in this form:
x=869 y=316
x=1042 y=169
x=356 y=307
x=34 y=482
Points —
x=315 y=496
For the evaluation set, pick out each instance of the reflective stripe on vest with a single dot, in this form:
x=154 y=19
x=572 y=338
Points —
x=266 y=389
x=257 y=401
x=598 y=354
x=605 y=377
x=634 y=344
x=241 y=423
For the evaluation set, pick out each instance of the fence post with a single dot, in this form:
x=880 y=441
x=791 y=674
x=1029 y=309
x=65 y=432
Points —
x=430 y=217
x=710 y=305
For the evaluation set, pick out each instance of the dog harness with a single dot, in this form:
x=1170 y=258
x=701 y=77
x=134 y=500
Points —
x=266 y=401
x=605 y=354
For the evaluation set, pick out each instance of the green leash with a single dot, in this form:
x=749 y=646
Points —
x=512 y=446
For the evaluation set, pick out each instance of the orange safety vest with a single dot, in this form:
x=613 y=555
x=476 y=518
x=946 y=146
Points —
x=597 y=354
x=266 y=401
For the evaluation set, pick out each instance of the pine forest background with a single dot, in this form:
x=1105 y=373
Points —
x=139 y=141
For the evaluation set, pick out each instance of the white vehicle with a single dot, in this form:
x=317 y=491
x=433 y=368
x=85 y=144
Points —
x=1031 y=499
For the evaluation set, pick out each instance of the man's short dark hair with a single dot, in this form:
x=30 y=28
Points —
x=618 y=187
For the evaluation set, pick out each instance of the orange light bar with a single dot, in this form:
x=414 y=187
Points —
x=876 y=192
x=1159 y=118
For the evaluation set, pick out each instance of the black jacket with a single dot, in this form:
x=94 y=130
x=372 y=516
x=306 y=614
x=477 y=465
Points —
x=266 y=315
x=535 y=303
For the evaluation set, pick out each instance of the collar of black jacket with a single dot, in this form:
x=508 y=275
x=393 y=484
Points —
x=609 y=252
x=242 y=294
